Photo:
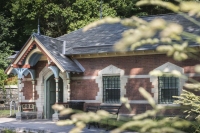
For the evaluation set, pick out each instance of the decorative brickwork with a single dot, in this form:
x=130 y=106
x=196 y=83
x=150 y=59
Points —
x=26 y=53
x=28 y=91
x=136 y=68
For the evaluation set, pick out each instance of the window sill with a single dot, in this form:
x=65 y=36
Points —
x=111 y=104
x=170 y=105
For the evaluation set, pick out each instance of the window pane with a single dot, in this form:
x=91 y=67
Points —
x=111 y=89
x=167 y=87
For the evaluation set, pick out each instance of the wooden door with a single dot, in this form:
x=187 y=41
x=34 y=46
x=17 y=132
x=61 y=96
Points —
x=51 y=96
x=60 y=90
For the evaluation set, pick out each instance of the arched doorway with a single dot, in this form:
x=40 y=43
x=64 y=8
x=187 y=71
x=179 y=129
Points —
x=51 y=94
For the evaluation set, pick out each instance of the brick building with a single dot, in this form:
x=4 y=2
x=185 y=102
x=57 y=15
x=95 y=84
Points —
x=83 y=66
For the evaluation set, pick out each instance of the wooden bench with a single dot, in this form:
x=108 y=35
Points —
x=92 y=109
x=28 y=110
x=63 y=117
x=113 y=110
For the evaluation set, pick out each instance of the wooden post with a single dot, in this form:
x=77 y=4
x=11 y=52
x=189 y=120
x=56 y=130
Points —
x=68 y=89
x=55 y=116
x=33 y=83
x=57 y=91
x=18 y=114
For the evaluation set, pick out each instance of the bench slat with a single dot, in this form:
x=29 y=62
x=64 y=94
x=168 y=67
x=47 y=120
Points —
x=113 y=110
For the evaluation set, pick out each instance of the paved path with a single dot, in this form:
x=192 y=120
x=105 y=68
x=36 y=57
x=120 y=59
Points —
x=46 y=125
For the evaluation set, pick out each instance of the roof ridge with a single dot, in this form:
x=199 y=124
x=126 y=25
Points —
x=148 y=16
x=68 y=33
x=92 y=46
x=48 y=37
x=164 y=14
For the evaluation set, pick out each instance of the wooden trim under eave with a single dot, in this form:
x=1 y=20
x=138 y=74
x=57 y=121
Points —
x=129 y=53
x=25 y=54
x=9 y=70
x=18 y=58
x=116 y=54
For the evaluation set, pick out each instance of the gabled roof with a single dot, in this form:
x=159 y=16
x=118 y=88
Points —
x=50 y=47
x=54 y=46
x=96 y=40
x=102 y=38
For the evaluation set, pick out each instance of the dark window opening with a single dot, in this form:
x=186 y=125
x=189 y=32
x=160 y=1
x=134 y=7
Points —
x=167 y=87
x=111 y=89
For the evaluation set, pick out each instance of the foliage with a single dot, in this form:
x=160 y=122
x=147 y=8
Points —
x=173 y=42
x=5 y=113
x=8 y=131
x=190 y=99
x=63 y=16
x=11 y=81
x=5 y=51
x=142 y=122
x=3 y=77
x=56 y=17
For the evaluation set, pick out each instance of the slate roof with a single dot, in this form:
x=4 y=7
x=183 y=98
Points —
x=13 y=56
x=102 y=38
x=54 y=47
x=99 y=40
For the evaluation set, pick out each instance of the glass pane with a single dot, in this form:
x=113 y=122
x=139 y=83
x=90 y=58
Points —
x=167 y=87
x=111 y=89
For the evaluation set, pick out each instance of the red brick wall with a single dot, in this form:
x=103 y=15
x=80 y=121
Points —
x=132 y=65
x=28 y=87
x=39 y=66
x=28 y=91
x=83 y=89
x=87 y=89
x=133 y=85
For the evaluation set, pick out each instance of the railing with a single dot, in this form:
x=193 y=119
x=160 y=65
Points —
x=28 y=110
x=12 y=104
x=28 y=106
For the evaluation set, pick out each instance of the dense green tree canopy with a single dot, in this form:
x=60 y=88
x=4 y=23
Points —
x=58 y=17
x=5 y=46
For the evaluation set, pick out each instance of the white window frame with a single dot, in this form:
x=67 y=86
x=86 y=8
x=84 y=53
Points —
x=170 y=86
x=110 y=71
x=167 y=68
x=111 y=88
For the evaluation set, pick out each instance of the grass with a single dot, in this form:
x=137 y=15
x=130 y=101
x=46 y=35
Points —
x=5 y=113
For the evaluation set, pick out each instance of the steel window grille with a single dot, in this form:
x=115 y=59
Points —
x=167 y=87
x=111 y=89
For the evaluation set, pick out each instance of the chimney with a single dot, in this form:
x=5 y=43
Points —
x=64 y=45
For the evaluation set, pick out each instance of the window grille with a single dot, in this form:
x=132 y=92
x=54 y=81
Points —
x=167 y=87
x=111 y=89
